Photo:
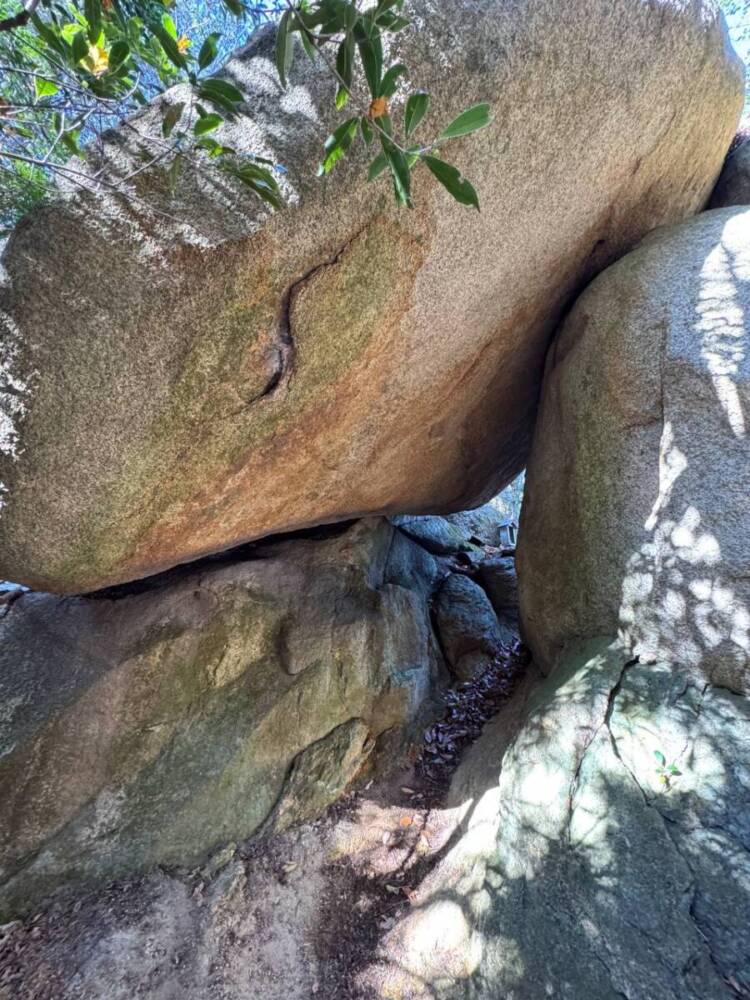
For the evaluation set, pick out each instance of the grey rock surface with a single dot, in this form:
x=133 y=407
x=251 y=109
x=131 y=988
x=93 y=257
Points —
x=579 y=874
x=148 y=725
x=467 y=625
x=497 y=576
x=436 y=534
x=635 y=519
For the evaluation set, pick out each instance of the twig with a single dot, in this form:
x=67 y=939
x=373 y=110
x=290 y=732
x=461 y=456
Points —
x=18 y=20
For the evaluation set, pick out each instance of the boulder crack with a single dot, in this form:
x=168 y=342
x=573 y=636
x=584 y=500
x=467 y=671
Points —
x=286 y=343
x=692 y=889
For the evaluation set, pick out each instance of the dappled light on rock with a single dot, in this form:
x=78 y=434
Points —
x=651 y=374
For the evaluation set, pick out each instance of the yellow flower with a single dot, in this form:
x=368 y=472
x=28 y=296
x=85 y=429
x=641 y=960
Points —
x=183 y=43
x=378 y=108
x=97 y=60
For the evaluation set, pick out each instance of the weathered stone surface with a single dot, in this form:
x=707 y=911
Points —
x=435 y=534
x=181 y=377
x=733 y=186
x=149 y=726
x=497 y=576
x=486 y=524
x=563 y=868
x=468 y=628
x=322 y=772
x=635 y=517
x=580 y=874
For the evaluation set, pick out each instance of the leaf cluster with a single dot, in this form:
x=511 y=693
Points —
x=78 y=67
x=358 y=38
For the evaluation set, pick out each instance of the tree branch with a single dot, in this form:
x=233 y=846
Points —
x=18 y=20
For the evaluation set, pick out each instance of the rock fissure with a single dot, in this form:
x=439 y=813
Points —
x=606 y=716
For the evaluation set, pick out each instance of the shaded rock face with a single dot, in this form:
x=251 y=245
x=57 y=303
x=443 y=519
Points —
x=149 y=726
x=635 y=519
x=733 y=186
x=579 y=873
x=220 y=375
x=468 y=627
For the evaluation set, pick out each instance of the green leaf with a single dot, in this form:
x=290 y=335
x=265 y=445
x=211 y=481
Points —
x=371 y=53
x=393 y=23
x=213 y=148
x=400 y=173
x=169 y=44
x=345 y=61
x=468 y=121
x=171 y=116
x=389 y=81
x=51 y=37
x=308 y=46
x=378 y=165
x=228 y=90
x=221 y=91
x=366 y=129
x=169 y=26
x=342 y=96
x=661 y=759
x=118 y=54
x=416 y=109
x=337 y=144
x=260 y=180
x=173 y=173
x=386 y=124
x=385 y=5
x=207 y=123
x=93 y=11
x=235 y=7
x=44 y=88
x=70 y=141
x=79 y=47
x=452 y=181
x=210 y=145
x=216 y=99
x=412 y=156
x=284 y=47
x=673 y=771
x=209 y=49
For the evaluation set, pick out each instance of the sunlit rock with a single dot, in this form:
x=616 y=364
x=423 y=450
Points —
x=635 y=520
x=603 y=851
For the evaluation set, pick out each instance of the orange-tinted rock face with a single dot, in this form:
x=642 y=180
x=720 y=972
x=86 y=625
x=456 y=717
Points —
x=185 y=379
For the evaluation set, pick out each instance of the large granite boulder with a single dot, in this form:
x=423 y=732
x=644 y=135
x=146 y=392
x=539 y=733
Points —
x=635 y=520
x=580 y=871
x=151 y=724
x=182 y=371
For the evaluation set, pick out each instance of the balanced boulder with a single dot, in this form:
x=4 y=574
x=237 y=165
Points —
x=183 y=371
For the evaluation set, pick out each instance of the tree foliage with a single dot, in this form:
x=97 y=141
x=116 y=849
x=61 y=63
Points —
x=73 y=68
